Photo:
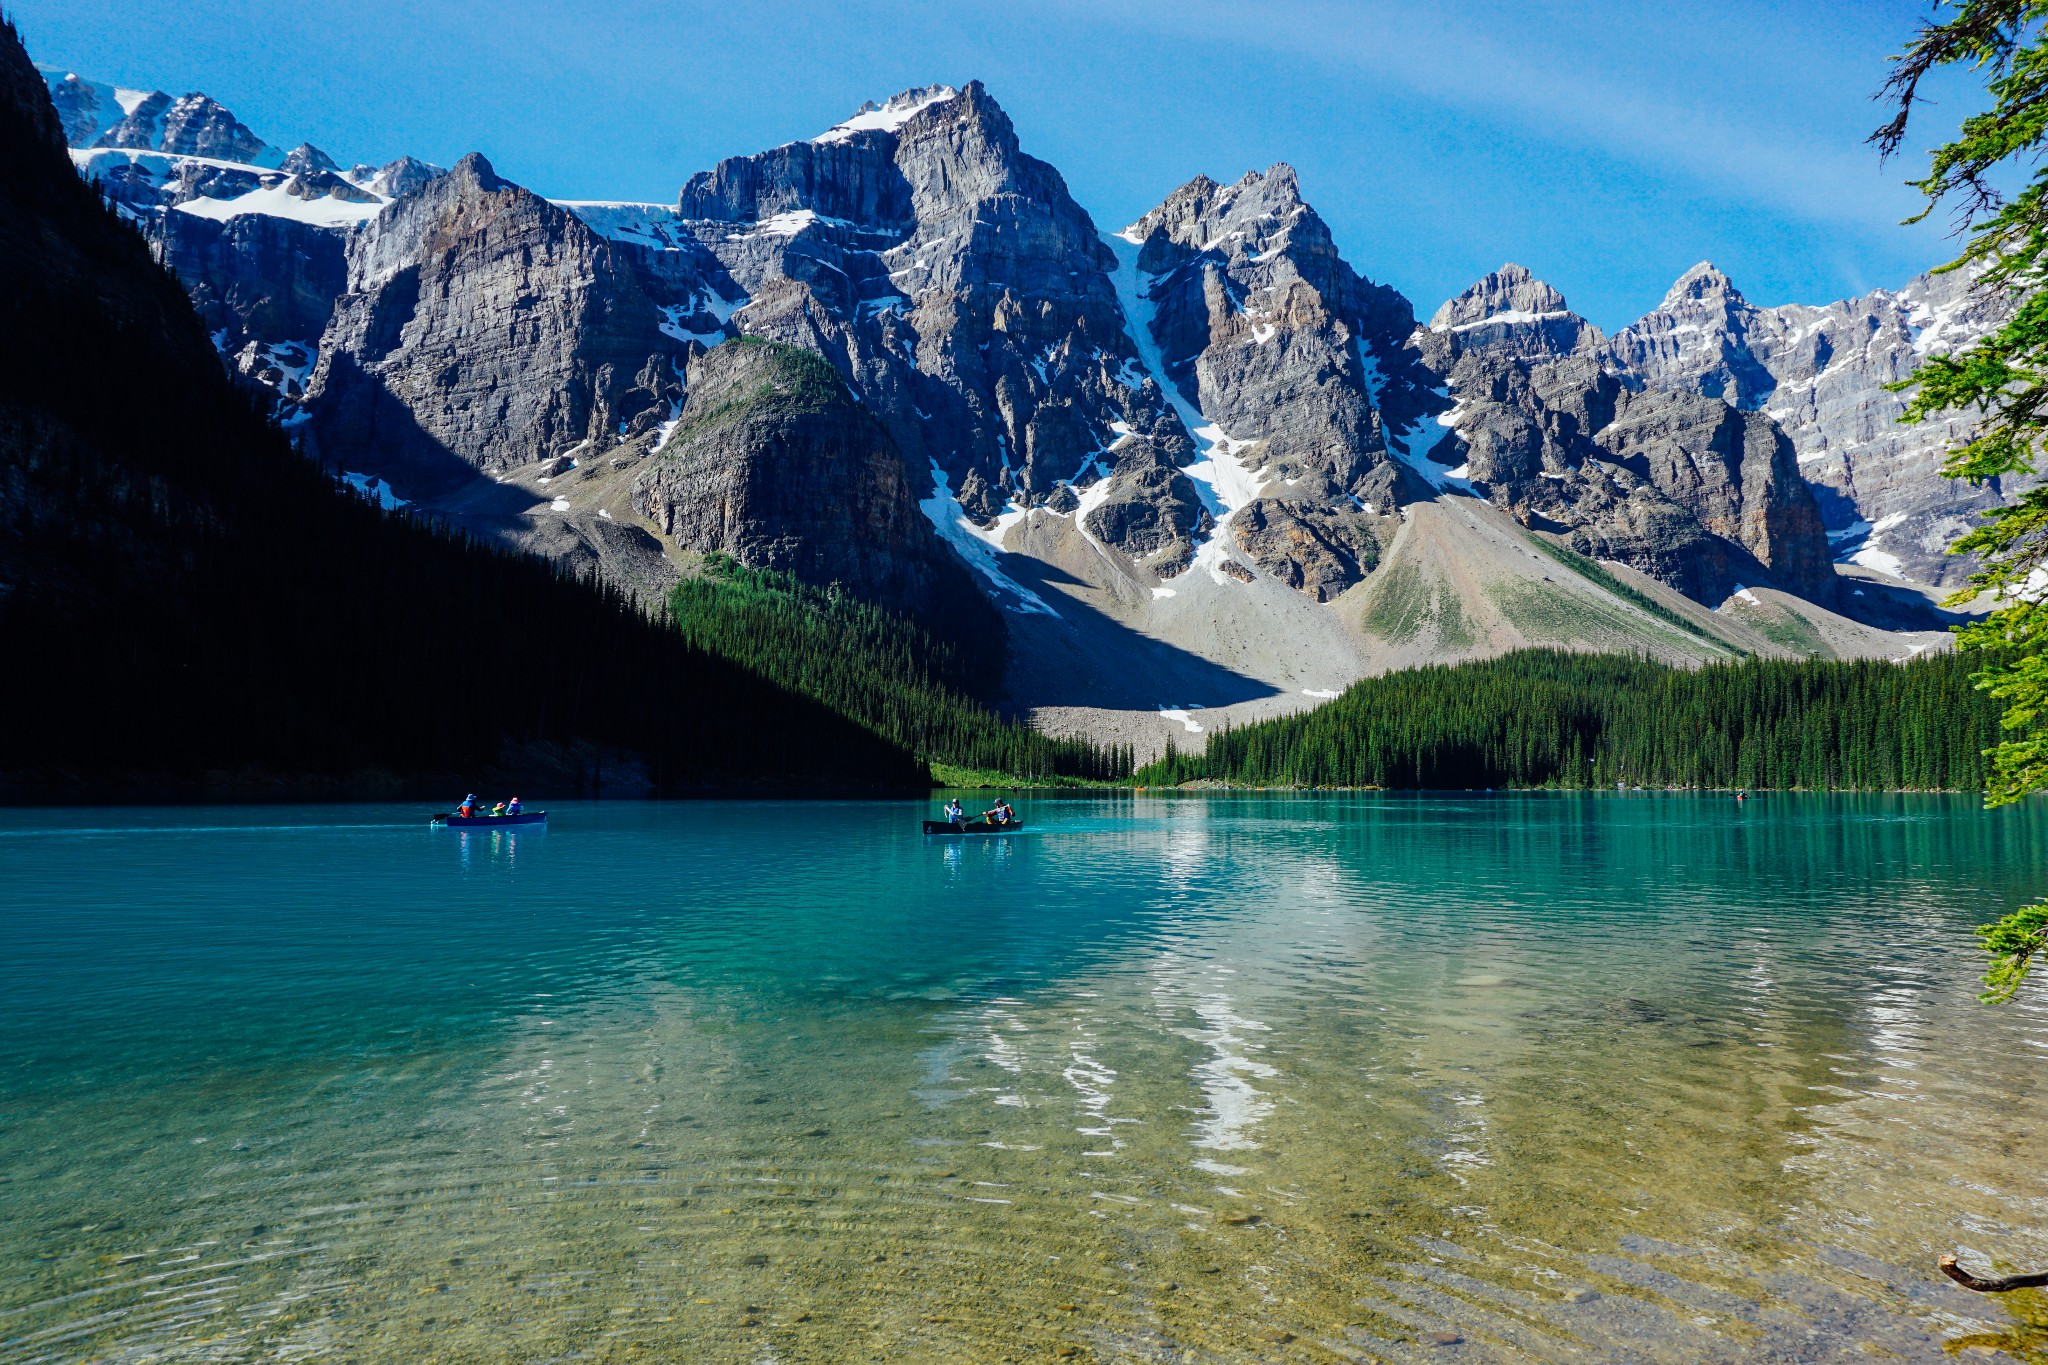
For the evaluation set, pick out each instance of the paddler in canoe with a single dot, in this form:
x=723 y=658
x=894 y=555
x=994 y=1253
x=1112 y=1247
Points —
x=471 y=812
x=998 y=819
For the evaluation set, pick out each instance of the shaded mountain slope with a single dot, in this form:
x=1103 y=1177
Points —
x=187 y=606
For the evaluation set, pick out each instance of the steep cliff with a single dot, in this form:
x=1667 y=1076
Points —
x=775 y=463
x=1294 y=362
x=483 y=327
x=1683 y=486
x=1821 y=374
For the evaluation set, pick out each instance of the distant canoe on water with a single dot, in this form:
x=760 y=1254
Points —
x=454 y=821
x=972 y=827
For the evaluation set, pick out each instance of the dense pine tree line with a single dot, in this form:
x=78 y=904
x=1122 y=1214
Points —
x=912 y=685
x=1549 y=718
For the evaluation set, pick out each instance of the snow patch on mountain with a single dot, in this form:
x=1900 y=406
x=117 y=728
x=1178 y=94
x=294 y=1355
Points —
x=1220 y=477
x=375 y=489
x=887 y=117
x=973 y=544
x=1507 y=315
x=278 y=201
x=650 y=225
x=672 y=325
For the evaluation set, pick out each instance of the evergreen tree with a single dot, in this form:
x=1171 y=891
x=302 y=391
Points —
x=909 y=683
x=1549 y=718
x=2002 y=380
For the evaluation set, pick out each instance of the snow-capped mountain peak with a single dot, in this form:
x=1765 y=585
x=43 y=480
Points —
x=890 y=115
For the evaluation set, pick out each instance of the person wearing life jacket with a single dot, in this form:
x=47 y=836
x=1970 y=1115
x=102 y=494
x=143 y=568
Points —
x=467 y=810
x=512 y=806
x=954 y=814
x=497 y=810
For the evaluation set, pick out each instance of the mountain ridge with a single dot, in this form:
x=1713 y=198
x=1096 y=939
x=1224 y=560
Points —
x=191 y=610
x=1149 y=444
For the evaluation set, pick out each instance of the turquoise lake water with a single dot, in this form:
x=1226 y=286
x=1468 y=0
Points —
x=1533 y=1077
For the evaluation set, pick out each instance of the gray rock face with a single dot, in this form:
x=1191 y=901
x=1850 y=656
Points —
x=140 y=127
x=1698 y=340
x=257 y=277
x=1736 y=473
x=186 y=181
x=1271 y=335
x=396 y=179
x=193 y=125
x=1148 y=508
x=856 y=181
x=955 y=283
x=777 y=464
x=1291 y=367
x=1685 y=487
x=305 y=158
x=485 y=326
x=1510 y=312
x=310 y=185
x=197 y=125
x=78 y=110
x=1319 y=548
x=1820 y=374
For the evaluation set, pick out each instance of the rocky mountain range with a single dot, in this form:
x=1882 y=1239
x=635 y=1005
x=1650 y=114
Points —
x=1201 y=461
x=189 y=608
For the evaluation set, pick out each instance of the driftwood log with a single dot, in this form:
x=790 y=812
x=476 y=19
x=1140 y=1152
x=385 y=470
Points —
x=2010 y=1282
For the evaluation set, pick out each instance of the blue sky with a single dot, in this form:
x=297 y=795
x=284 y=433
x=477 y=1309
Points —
x=1607 y=146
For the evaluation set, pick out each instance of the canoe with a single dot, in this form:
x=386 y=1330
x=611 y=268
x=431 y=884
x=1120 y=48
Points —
x=525 y=817
x=971 y=827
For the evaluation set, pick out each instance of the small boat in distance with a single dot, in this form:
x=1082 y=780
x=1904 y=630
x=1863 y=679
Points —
x=971 y=827
x=454 y=821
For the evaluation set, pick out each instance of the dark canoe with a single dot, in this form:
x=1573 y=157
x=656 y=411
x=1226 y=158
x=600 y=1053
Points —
x=525 y=817
x=971 y=827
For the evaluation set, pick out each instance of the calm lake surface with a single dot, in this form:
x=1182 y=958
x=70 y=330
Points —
x=1545 y=1077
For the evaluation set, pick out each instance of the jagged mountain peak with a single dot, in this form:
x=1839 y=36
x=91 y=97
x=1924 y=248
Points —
x=396 y=179
x=891 y=114
x=1512 y=289
x=141 y=126
x=1255 y=213
x=475 y=172
x=1704 y=281
x=858 y=172
x=972 y=127
x=1697 y=340
x=306 y=158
